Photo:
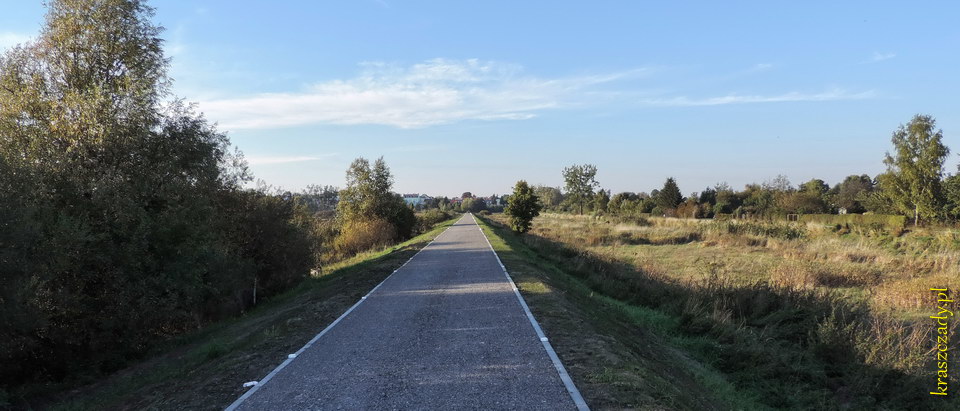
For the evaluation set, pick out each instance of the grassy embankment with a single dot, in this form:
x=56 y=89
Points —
x=777 y=315
x=206 y=370
x=614 y=363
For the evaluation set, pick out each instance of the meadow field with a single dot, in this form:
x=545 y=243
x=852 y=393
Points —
x=794 y=315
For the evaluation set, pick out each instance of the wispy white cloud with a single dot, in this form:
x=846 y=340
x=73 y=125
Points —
x=261 y=160
x=878 y=56
x=683 y=101
x=10 y=39
x=437 y=91
x=442 y=91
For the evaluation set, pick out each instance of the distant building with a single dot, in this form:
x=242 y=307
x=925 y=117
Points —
x=493 y=201
x=415 y=200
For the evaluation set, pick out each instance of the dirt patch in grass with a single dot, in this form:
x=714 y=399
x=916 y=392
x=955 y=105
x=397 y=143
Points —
x=206 y=370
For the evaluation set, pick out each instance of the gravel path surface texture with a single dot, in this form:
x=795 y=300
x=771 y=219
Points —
x=445 y=331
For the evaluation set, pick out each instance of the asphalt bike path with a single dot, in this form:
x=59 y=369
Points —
x=447 y=330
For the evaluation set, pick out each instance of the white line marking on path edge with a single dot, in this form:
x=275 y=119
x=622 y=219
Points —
x=256 y=385
x=567 y=381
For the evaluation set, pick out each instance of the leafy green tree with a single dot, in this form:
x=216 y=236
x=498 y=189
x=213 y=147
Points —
x=877 y=201
x=848 y=193
x=758 y=199
x=951 y=189
x=802 y=202
x=550 y=197
x=125 y=207
x=815 y=186
x=669 y=197
x=600 y=201
x=646 y=202
x=916 y=168
x=523 y=207
x=580 y=181
x=64 y=96
x=368 y=195
x=617 y=203
x=810 y=199
x=444 y=204
x=430 y=203
x=319 y=198
x=473 y=205
x=689 y=208
x=708 y=196
x=780 y=183
x=726 y=199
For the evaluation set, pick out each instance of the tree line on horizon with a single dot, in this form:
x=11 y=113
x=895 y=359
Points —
x=914 y=185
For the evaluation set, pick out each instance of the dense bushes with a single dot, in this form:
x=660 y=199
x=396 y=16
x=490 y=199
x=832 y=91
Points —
x=91 y=285
x=368 y=196
x=427 y=219
x=473 y=205
x=784 y=231
x=274 y=233
x=523 y=207
x=360 y=235
x=122 y=218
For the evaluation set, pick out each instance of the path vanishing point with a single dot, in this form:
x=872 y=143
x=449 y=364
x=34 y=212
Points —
x=447 y=330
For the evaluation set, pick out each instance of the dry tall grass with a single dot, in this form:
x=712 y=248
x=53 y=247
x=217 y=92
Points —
x=870 y=286
x=891 y=271
x=357 y=236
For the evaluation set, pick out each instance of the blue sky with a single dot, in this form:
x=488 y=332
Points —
x=472 y=96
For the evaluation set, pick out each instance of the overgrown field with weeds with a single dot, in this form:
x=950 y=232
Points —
x=800 y=315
